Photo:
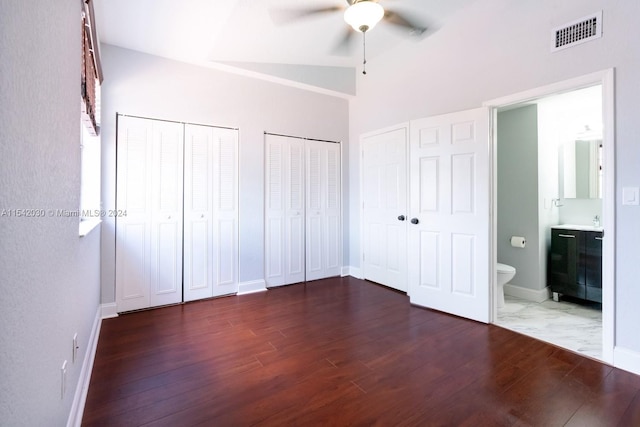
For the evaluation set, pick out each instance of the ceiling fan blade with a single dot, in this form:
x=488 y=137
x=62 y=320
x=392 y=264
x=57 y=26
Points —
x=400 y=20
x=290 y=15
x=343 y=47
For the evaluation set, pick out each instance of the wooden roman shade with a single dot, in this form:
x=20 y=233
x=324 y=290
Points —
x=91 y=70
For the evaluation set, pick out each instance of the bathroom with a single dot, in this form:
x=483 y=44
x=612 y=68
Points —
x=549 y=173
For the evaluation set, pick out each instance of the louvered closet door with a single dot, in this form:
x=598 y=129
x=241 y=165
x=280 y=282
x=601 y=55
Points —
x=133 y=252
x=166 y=217
x=211 y=212
x=149 y=237
x=323 y=229
x=225 y=204
x=302 y=210
x=284 y=211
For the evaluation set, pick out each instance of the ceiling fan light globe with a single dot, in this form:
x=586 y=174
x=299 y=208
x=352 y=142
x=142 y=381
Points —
x=363 y=15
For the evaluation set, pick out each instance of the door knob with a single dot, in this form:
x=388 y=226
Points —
x=414 y=220
x=401 y=218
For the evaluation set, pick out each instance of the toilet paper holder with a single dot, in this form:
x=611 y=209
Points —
x=518 y=241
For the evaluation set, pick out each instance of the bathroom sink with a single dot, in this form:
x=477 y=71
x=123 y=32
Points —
x=577 y=227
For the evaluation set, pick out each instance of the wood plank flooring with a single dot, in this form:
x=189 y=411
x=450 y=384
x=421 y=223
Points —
x=340 y=352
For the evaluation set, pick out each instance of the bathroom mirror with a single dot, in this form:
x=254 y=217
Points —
x=580 y=169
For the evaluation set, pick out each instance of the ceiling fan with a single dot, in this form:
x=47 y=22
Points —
x=362 y=16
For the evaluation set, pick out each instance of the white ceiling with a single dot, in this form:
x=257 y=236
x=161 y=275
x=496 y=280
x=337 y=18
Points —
x=245 y=31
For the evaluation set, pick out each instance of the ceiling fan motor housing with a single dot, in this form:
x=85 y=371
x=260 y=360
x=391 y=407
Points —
x=363 y=15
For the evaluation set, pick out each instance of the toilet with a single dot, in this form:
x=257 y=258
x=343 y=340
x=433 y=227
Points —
x=505 y=274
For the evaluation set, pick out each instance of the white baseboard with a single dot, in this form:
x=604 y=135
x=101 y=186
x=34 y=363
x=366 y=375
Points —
x=344 y=271
x=109 y=310
x=80 y=396
x=352 y=271
x=626 y=359
x=527 y=294
x=251 y=287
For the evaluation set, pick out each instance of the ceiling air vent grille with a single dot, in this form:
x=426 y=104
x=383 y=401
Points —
x=576 y=32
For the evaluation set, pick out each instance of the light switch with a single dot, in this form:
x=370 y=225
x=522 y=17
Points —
x=630 y=196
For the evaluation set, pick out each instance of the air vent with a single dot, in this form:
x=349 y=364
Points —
x=576 y=32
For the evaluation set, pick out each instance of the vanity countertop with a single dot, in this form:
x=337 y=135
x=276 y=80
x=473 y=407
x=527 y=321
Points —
x=577 y=227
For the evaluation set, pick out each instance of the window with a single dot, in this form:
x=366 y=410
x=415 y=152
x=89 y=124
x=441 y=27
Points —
x=90 y=207
x=91 y=71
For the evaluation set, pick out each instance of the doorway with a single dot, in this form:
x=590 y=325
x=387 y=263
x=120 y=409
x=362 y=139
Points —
x=529 y=284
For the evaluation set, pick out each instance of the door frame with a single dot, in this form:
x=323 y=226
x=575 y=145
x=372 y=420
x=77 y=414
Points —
x=606 y=78
x=403 y=125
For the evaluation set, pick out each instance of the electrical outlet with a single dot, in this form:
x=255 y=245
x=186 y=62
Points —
x=75 y=348
x=63 y=379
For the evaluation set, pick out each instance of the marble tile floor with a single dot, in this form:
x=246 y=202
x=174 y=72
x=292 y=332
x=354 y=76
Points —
x=576 y=327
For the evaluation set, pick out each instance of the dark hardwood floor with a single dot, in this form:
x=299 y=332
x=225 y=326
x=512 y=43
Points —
x=341 y=352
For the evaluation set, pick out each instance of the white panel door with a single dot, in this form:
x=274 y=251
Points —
x=149 y=237
x=210 y=212
x=449 y=230
x=166 y=213
x=323 y=225
x=384 y=165
x=284 y=211
x=133 y=190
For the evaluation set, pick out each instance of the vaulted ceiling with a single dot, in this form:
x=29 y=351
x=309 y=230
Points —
x=252 y=31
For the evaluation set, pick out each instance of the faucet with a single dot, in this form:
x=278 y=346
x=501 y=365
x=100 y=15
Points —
x=596 y=221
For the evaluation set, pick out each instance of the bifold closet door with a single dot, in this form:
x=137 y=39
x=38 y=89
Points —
x=284 y=211
x=175 y=179
x=323 y=229
x=210 y=212
x=149 y=233
x=302 y=210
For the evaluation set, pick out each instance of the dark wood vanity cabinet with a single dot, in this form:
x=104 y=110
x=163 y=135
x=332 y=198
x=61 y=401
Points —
x=593 y=265
x=575 y=263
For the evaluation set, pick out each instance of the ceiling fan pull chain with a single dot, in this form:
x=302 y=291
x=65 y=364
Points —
x=364 y=52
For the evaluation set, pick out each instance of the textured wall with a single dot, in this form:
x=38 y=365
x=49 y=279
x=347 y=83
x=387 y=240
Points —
x=49 y=277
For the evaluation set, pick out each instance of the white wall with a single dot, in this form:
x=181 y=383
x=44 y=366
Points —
x=496 y=48
x=149 y=86
x=49 y=276
x=580 y=211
